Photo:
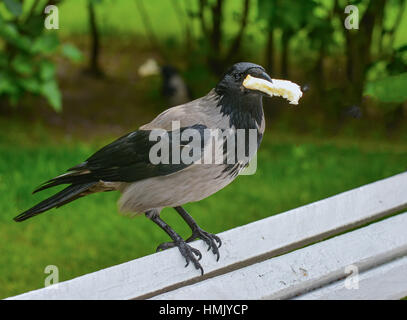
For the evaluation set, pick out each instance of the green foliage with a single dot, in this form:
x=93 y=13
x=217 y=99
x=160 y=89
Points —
x=50 y=90
x=398 y=61
x=14 y=7
x=72 y=53
x=389 y=89
x=286 y=14
x=25 y=61
x=30 y=69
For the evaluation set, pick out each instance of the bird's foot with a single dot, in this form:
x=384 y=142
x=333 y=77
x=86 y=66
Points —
x=165 y=246
x=187 y=252
x=212 y=240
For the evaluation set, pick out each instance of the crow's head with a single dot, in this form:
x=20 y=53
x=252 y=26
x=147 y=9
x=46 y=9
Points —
x=245 y=79
x=234 y=81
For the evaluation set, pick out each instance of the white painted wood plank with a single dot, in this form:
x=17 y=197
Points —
x=388 y=281
x=307 y=268
x=242 y=246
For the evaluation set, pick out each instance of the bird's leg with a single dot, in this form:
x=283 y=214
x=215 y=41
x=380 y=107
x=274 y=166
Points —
x=198 y=233
x=186 y=250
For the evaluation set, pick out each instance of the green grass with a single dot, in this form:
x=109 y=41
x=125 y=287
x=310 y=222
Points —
x=89 y=235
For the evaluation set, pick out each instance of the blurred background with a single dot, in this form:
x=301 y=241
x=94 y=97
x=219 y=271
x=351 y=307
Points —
x=111 y=66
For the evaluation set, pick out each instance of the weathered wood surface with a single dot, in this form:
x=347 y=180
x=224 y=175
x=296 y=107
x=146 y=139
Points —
x=387 y=281
x=243 y=246
x=314 y=266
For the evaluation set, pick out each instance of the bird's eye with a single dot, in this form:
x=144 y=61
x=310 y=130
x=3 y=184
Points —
x=237 y=76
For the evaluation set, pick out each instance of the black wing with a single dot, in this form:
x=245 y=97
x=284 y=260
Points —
x=125 y=160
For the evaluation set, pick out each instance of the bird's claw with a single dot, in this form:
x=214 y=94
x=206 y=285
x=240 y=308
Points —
x=165 y=246
x=212 y=240
x=187 y=252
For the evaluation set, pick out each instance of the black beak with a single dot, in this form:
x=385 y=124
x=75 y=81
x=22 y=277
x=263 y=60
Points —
x=260 y=73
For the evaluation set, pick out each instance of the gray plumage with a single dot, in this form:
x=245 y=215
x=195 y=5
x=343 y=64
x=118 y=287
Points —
x=191 y=184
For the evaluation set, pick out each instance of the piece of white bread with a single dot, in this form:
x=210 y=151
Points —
x=282 y=88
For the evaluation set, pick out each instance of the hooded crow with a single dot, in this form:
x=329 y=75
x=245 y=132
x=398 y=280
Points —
x=129 y=165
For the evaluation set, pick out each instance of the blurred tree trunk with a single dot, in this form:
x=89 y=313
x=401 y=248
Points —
x=94 y=67
x=215 y=36
x=317 y=75
x=319 y=66
x=285 y=52
x=358 y=49
x=218 y=55
x=186 y=25
x=236 y=44
x=217 y=18
x=270 y=54
x=394 y=119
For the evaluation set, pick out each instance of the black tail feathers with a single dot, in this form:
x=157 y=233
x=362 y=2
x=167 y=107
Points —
x=63 y=197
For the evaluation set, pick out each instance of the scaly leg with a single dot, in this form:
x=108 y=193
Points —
x=186 y=250
x=197 y=233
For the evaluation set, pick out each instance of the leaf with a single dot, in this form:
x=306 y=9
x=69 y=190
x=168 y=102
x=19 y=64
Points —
x=51 y=91
x=7 y=85
x=389 y=89
x=30 y=84
x=46 y=43
x=72 y=53
x=34 y=27
x=22 y=64
x=14 y=7
x=47 y=70
x=10 y=33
